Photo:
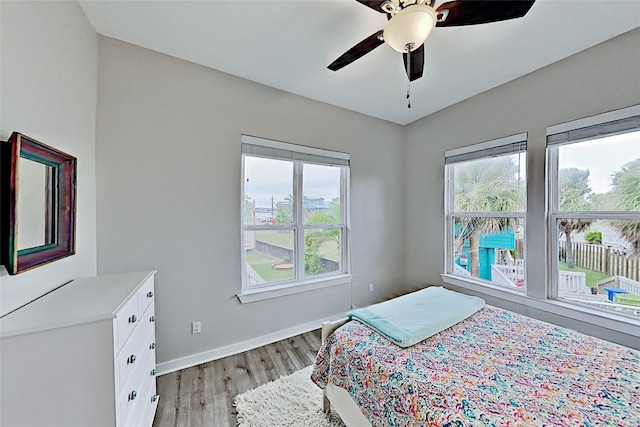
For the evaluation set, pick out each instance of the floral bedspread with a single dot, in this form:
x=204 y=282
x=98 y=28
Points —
x=496 y=368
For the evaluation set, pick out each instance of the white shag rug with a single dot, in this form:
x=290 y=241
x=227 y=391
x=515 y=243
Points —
x=291 y=401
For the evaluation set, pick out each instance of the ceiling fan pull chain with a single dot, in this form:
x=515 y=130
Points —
x=408 y=74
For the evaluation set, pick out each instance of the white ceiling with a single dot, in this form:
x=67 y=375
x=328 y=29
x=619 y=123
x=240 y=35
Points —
x=288 y=45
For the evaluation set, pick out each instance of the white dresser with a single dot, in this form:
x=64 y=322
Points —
x=82 y=355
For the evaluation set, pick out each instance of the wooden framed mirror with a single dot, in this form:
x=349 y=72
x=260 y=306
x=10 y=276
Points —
x=39 y=203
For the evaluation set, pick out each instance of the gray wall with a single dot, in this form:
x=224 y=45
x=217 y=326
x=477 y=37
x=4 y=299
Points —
x=49 y=92
x=597 y=80
x=168 y=172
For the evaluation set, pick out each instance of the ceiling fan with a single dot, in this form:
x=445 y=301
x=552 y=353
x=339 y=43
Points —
x=411 y=22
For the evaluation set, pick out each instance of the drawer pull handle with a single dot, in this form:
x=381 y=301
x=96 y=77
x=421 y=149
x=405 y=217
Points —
x=152 y=346
x=131 y=359
x=133 y=395
x=155 y=397
x=153 y=372
x=152 y=318
x=133 y=319
x=149 y=294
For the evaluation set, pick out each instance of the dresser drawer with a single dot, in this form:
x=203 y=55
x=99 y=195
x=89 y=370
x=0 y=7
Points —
x=136 y=349
x=126 y=320
x=145 y=408
x=133 y=391
x=150 y=404
x=146 y=294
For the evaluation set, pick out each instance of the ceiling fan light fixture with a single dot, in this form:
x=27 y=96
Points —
x=410 y=27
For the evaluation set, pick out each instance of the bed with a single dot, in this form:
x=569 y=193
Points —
x=495 y=368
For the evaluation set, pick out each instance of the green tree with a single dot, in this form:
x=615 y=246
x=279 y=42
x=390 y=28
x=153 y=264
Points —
x=313 y=264
x=282 y=217
x=574 y=195
x=593 y=237
x=486 y=185
x=625 y=196
x=284 y=210
x=314 y=239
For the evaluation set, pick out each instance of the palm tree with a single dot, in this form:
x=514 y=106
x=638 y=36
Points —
x=284 y=210
x=625 y=196
x=575 y=195
x=486 y=185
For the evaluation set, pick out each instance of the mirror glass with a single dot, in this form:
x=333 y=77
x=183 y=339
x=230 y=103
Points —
x=38 y=209
x=33 y=200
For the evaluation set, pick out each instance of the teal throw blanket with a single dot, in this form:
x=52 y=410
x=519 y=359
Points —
x=414 y=317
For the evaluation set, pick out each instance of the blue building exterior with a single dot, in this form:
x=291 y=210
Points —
x=506 y=239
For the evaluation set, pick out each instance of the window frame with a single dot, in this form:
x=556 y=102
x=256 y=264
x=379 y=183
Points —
x=575 y=132
x=600 y=322
x=300 y=155
x=509 y=145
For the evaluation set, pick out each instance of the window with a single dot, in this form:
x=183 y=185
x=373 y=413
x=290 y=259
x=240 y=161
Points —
x=294 y=214
x=485 y=208
x=594 y=212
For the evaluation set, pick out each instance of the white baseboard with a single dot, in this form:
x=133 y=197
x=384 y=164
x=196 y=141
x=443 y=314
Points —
x=219 y=353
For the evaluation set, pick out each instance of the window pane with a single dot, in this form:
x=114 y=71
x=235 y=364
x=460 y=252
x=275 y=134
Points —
x=496 y=184
x=268 y=189
x=269 y=256
x=322 y=251
x=601 y=174
x=598 y=263
x=490 y=249
x=321 y=190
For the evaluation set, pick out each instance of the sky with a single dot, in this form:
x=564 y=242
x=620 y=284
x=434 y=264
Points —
x=265 y=178
x=602 y=157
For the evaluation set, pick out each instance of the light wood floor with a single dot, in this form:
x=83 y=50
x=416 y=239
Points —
x=203 y=395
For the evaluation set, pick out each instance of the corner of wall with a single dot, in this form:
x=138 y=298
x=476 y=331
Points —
x=49 y=85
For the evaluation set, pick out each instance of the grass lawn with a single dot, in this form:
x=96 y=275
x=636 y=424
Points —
x=328 y=250
x=262 y=265
x=592 y=277
x=276 y=238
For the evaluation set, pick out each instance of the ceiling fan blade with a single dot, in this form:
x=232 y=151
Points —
x=373 y=4
x=472 y=12
x=358 y=51
x=417 y=63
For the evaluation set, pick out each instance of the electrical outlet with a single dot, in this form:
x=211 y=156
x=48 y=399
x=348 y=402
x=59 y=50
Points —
x=370 y=287
x=196 y=327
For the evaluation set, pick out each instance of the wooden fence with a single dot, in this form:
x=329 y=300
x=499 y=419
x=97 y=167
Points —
x=603 y=259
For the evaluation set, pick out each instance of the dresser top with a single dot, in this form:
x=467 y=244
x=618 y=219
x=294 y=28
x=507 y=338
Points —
x=81 y=301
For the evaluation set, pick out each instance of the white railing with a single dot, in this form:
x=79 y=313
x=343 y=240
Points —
x=500 y=277
x=572 y=282
x=611 y=238
x=509 y=273
x=620 y=282
x=460 y=271
x=599 y=298
x=629 y=285
x=609 y=305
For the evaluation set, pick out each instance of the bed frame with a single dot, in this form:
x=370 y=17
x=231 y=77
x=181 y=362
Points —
x=338 y=397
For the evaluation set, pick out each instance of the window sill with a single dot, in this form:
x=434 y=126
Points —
x=267 y=292
x=578 y=312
